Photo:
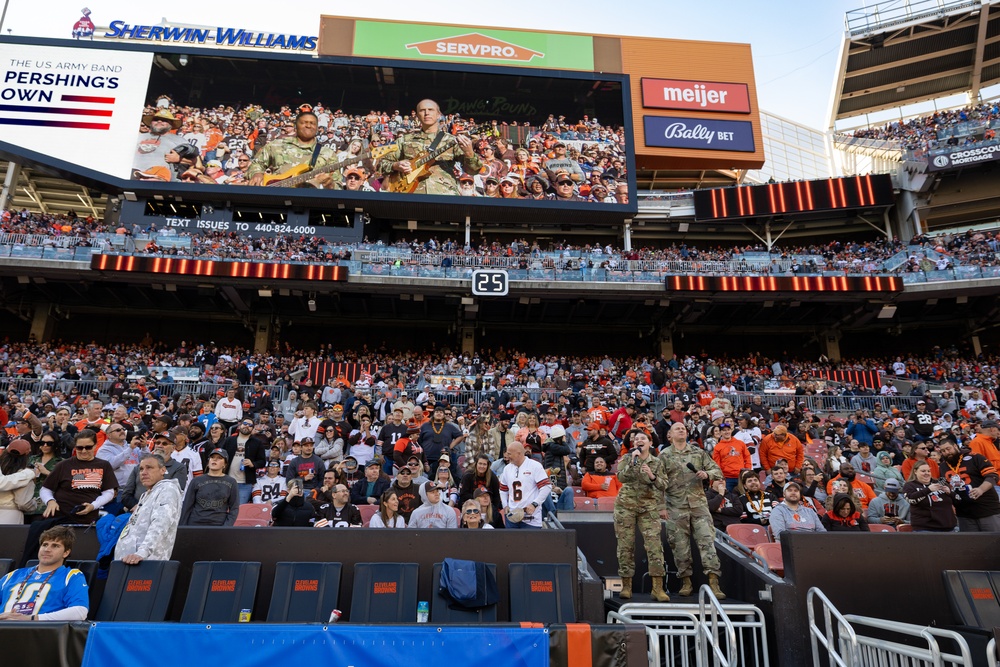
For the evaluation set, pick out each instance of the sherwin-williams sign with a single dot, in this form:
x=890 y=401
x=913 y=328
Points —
x=415 y=41
x=710 y=135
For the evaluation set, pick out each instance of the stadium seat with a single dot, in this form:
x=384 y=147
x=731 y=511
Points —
x=6 y=565
x=972 y=595
x=251 y=523
x=578 y=491
x=257 y=512
x=441 y=612
x=541 y=593
x=881 y=528
x=904 y=528
x=138 y=593
x=748 y=534
x=385 y=593
x=367 y=512
x=220 y=591
x=304 y=592
x=458 y=514
x=606 y=504
x=770 y=553
x=867 y=479
x=585 y=504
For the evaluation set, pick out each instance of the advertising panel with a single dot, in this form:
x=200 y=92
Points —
x=77 y=105
x=963 y=157
x=712 y=135
x=695 y=95
x=487 y=46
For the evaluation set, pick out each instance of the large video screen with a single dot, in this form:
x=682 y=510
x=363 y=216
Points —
x=245 y=123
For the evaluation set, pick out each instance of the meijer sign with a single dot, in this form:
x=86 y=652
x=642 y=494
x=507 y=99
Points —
x=695 y=95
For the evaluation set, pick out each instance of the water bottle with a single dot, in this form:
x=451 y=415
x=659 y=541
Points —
x=423 y=611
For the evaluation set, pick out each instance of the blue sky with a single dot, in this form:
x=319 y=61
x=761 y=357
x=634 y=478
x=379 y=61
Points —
x=795 y=43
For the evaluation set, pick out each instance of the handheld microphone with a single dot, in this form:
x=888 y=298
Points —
x=635 y=458
x=691 y=467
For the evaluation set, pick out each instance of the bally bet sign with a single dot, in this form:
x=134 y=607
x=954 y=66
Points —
x=487 y=46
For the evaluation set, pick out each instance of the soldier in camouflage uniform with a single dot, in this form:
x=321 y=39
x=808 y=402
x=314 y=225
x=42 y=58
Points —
x=640 y=504
x=282 y=154
x=688 y=508
x=441 y=179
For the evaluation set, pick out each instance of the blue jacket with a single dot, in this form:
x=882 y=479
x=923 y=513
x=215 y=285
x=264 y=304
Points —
x=863 y=431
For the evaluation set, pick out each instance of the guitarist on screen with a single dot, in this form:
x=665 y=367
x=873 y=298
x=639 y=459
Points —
x=301 y=149
x=423 y=161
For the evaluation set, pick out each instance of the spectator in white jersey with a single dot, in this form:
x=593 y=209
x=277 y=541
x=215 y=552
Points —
x=524 y=486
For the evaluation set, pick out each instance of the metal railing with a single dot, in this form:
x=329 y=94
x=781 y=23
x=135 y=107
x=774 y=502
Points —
x=884 y=15
x=55 y=240
x=702 y=634
x=84 y=387
x=841 y=644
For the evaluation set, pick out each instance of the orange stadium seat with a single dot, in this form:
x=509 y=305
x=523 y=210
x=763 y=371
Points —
x=881 y=528
x=748 y=534
x=367 y=512
x=257 y=512
x=770 y=553
x=606 y=504
x=905 y=528
x=584 y=504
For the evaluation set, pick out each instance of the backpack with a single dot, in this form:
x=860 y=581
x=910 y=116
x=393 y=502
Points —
x=468 y=584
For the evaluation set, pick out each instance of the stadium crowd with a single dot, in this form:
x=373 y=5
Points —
x=925 y=253
x=942 y=129
x=218 y=146
x=389 y=441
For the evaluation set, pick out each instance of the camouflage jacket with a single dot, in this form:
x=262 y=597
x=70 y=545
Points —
x=152 y=527
x=441 y=180
x=638 y=492
x=685 y=489
x=277 y=156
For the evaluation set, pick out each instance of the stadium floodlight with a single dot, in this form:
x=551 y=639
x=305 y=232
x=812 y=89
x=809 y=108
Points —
x=266 y=293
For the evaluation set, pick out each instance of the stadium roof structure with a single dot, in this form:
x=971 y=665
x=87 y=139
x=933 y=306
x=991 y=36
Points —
x=42 y=192
x=903 y=52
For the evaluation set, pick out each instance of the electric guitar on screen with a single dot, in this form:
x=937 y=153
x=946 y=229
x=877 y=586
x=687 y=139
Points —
x=295 y=176
x=421 y=169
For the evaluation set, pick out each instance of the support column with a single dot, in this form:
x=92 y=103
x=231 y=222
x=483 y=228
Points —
x=9 y=183
x=667 y=345
x=977 y=347
x=262 y=336
x=627 y=227
x=468 y=340
x=829 y=345
x=42 y=322
x=468 y=231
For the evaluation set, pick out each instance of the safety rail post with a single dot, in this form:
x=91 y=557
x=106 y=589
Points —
x=826 y=636
x=709 y=607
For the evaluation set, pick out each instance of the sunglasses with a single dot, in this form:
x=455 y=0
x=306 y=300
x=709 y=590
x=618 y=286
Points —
x=472 y=512
x=80 y=448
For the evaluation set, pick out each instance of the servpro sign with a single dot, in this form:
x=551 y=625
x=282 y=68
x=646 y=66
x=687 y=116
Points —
x=420 y=41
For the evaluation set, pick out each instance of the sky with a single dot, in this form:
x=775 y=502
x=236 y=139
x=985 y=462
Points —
x=795 y=43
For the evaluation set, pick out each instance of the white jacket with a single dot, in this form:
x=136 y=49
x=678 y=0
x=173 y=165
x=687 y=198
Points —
x=151 y=530
x=17 y=490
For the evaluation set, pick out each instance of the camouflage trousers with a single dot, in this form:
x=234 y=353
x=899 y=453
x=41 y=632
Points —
x=688 y=522
x=648 y=523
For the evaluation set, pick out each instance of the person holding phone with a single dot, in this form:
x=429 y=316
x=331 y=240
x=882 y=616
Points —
x=73 y=492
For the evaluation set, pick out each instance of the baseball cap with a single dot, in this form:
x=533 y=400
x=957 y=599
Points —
x=373 y=464
x=431 y=486
x=20 y=446
x=219 y=452
x=444 y=457
x=470 y=179
x=989 y=423
x=892 y=485
x=354 y=170
x=792 y=483
x=718 y=414
x=480 y=492
x=168 y=436
x=165 y=418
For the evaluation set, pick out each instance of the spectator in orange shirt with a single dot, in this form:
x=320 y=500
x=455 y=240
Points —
x=601 y=483
x=985 y=442
x=920 y=452
x=732 y=456
x=862 y=491
x=780 y=444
